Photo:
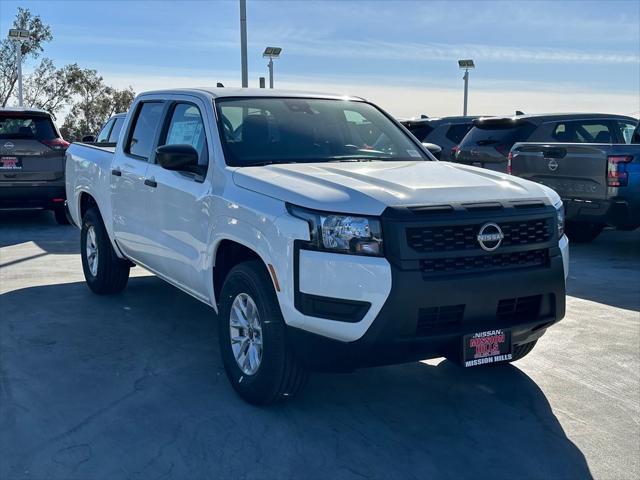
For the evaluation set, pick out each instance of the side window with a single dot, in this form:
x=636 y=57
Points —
x=626 y=131
x=115 y=131
x=583 y=132
x=103 y=136
x=142 y=137
x=186 y=127
x=457 y=132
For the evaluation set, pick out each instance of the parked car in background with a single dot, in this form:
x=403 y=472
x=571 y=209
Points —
x=489 y=141
x=32 y=155
x=446 y=132
x=323 y=234
x=109 y=132
x=599 y=182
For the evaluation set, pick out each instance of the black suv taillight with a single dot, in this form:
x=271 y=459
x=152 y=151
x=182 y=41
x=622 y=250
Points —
x=56 y=144
x=617 y=175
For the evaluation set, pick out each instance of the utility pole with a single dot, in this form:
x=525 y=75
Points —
x=466 y=65
x=243 y=43
x=19 y=36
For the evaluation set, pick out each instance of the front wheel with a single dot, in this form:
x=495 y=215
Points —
x=521 y=351
x=258 y=361
x=104 y=272
x=583 y=232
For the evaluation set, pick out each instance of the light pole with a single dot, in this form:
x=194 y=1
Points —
x=466 y=65
x=271 y=53
x=243 y=43
x=19 y=36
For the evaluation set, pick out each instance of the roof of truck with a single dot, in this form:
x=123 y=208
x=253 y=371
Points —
x=222 y=92
x=542 y=117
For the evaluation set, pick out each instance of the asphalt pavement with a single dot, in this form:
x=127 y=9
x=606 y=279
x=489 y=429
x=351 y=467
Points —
x=132 y=386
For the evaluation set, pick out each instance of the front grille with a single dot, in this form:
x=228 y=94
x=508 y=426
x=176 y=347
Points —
x=464 y=237
x=435 y=320
x=521 y=308
x=530 y=258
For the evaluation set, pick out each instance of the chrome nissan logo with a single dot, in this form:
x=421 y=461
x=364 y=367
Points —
x=8 y=145
x=553 y=165
x=490 y=236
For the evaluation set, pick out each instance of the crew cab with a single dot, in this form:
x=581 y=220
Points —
x=599 y=183
x=322 y=233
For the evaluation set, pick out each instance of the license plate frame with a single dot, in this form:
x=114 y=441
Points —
x=10 y=163
x=486 y=348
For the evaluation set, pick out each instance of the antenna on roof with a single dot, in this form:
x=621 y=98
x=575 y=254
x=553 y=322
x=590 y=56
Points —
x=424 y=116
x=219 y=85
x=518 y=112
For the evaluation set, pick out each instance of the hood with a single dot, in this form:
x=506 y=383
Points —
x=369 y=187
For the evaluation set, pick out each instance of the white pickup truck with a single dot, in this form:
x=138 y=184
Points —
x=323 y=234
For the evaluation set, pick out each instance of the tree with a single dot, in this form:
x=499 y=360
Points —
x=51 y=88
x=94 y=103
x=40 y=33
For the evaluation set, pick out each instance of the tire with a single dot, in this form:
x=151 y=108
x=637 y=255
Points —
x=109 y=274
x=583 y=232
x=521 y=351
x=279 y=375
x=61 y=216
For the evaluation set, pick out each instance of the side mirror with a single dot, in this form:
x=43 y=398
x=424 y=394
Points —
x=181 y=158
x=434 y=149
x=88 y=139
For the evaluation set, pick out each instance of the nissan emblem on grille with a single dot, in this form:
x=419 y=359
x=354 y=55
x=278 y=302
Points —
x=490 y=236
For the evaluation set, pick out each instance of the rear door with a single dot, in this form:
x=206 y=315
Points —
x=571 y=169
x=31 y=149
x=488 y=143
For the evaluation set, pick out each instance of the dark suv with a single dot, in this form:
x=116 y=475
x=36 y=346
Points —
x=31 y=161
x=446 y=132
x=489 y=141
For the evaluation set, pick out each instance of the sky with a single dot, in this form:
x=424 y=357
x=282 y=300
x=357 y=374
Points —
x=534 y=56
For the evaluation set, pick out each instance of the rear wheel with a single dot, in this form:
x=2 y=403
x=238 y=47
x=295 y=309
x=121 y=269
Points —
x=583 y=232
x=104 y=272
x=257 y=358
x=61 y=216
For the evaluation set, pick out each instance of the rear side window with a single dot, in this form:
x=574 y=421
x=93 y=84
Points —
x=145 y=125
x=456 y=133
x=115 y=131
x=420 y=130
x=626 y=131
x=103 y=136
x=187 y=128
x=589 y=131
x=504 y=133
x=25 y=127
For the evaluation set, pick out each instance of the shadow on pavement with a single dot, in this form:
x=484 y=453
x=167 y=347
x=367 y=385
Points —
x=132 y=386
x=40 y=227
x=608 y=270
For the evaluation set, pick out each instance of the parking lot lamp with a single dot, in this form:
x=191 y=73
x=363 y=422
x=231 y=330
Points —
x=19 y=36
x=243 y=43
x=466 y=65
x=271 y=53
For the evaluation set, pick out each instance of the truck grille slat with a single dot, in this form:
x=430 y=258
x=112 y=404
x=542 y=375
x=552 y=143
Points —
x=439 y=319
x=469 y=264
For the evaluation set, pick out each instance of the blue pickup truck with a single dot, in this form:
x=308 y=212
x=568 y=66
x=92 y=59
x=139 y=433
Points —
x=599 y=182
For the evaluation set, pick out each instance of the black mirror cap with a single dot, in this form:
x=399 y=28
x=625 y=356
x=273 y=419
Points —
x=434 y=149
x=177 y=157
x=88 y=139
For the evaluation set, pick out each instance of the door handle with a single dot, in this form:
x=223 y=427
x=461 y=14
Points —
x=116 y=173
x=151 y=183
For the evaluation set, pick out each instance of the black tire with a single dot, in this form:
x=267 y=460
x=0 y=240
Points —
x=583 y=232
x=280 y=374
x=61 y=216
x=112 y=273
x=521 y=351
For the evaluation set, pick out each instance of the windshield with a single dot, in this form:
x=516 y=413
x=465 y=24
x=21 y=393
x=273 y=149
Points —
x=262 y=131
x=26 y=127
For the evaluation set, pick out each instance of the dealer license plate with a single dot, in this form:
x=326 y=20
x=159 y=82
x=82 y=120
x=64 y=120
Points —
x=10 y=163
x=484 y=348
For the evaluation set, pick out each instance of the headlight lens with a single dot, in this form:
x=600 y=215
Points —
x=560 y=215
x=335 y=232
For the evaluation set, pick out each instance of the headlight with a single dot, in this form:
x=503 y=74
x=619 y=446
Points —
x=336 y=232
x=560 y=216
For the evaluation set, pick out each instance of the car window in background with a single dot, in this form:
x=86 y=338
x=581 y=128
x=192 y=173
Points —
x=636 y=135
x=103 y=136
x=456 y=133
x=115 y=131
x=144 y=129
x=26 y=127
x=626 y=131
x=503 y=133
x=286 y=130
x=420 y=131
x=187 y=128
x=589 y=131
